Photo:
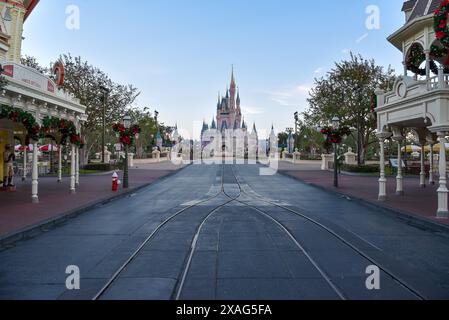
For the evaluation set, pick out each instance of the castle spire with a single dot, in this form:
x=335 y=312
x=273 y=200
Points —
x=233 y=85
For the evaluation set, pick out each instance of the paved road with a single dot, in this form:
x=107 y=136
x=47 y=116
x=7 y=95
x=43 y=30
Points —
x=225 y=232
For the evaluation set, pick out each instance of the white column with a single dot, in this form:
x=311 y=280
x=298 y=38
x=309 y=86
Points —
x=422 y=175
x=77 y=167
x=24 y=176
x=432 y=169
x=400 y=177
x=72 y=170
x=427 y=52
x=443 y=191
x=35 y=176
x=383 y=179
x=60 y=163
x=441 y=84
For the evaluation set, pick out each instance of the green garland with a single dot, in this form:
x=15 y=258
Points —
x=66 y=129
x=25 y=118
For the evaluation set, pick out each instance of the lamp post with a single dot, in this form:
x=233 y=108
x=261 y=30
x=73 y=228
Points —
x=296 y=129
x=336 y=126
x=127 y=125
x=105 y=91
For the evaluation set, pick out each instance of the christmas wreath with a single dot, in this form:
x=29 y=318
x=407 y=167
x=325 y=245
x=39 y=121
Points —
x=126 y=136
x=335 y=136
x=25 y=118
x=416 y=57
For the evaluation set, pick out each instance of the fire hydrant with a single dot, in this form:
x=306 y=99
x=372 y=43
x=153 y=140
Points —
x=115 y=182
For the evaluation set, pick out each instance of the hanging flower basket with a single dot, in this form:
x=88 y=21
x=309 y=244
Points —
x=126 y=136
x=335 y=136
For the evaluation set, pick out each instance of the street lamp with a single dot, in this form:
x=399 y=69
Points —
x=296 y=115
x=127 y=125
x=105 y=91
x=336 y=126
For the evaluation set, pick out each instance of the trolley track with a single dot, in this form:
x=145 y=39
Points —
x=184 y=273
x=395 y=277
x=157 y=230
x=282 y=227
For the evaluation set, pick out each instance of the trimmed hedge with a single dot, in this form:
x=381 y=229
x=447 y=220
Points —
x=361 y=169
x=100 y=167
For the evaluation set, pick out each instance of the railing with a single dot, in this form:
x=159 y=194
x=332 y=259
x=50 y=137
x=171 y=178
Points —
x=432 y=83
x=438 y=82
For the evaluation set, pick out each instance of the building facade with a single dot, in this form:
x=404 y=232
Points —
x=419 y=101
x=29 y=99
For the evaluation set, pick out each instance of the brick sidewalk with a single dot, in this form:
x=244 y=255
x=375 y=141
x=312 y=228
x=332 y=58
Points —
x=416 y=201
x=18 y=213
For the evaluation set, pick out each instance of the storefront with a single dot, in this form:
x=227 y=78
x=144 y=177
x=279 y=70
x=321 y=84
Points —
x=33 y=107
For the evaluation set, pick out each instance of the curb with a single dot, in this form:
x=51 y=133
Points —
x=42 y=227
x=408 y=217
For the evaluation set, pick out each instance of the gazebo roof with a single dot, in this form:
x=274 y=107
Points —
x=421 y=7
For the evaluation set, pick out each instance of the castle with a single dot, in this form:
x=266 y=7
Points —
x=229 y=122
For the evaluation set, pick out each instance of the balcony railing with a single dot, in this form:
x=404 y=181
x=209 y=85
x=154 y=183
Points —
x=441 y=81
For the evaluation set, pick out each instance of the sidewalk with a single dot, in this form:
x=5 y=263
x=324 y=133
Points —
x=417 y=201
x=17 y=213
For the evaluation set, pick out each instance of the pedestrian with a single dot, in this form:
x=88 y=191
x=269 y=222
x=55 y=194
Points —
x=8 y=159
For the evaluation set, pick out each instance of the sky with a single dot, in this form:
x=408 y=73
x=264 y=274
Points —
x=179 y=53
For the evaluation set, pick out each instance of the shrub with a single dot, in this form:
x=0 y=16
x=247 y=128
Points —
x=361 y=169
x=100 y=167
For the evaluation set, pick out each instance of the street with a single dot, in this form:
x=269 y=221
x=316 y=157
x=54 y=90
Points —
x=223 y=232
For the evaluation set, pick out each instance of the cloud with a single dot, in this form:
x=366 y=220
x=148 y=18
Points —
x=291 y=96
x=251 y=110
x=362 y=38
x=319 y=70
x=345 y=51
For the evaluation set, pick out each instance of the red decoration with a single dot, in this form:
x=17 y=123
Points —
x=335 y=136
x=440 y=18
x=127 y=136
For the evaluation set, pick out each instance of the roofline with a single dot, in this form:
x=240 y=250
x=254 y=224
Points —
x=396 y=38
x=30 y=8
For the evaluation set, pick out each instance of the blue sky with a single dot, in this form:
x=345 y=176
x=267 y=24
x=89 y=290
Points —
x=179 y=52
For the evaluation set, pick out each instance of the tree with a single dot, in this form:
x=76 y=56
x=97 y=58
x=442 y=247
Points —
x=32 y=62
x=147 y=138
x=347 y=91
x=84 y=81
